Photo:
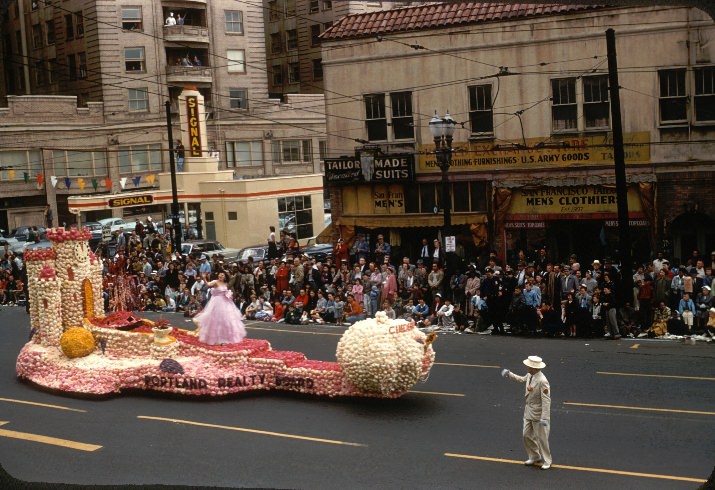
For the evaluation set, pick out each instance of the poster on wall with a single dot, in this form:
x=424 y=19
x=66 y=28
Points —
x=382 y=169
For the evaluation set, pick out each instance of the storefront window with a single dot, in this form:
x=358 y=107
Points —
x=244 y=153
x=295 y=215
x=466 y=197
x=140 y=158
x=22 y=162
x=73 y=163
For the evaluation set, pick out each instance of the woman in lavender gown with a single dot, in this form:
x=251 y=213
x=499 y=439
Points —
x=220 y=322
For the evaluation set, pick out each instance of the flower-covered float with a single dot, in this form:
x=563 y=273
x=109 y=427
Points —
x=75 y=349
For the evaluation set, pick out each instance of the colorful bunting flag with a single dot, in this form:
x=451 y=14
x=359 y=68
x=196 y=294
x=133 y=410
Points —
x=94 y=184
x=40 y=179
x=53 y=181
x=123 y=182
x=108 y=183
x=80 y=183
x=11 y=174
x=136 y=181
x=26 y=176
x=150 y=179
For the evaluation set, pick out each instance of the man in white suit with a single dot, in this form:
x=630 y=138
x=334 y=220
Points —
x=537 y=411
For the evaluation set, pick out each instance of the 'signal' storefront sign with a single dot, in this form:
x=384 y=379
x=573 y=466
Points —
x=383 y=169
x=122 y=202
x=192 y=110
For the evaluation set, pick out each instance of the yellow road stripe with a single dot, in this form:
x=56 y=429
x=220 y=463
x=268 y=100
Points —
x=582 y=468
x=645 y=409
x=58 y=407
x=635 y=346
x=435 y=393
x=656 y=376
x=253 y=431
x=294 y=331
x=80 y=446
x=465 y=365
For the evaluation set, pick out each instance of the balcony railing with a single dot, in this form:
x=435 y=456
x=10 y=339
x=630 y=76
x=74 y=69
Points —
x=184 y=74
x=186 y=33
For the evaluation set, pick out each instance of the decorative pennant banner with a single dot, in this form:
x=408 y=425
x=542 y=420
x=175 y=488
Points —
x=108 y=183
x=53 y=181
x=11 y=174
x=68 y=182
x=26 y=176
x=123 y=182
x=136 y=181
x=40 y=179
x=150 y=179
x=80 y=183
x=94 y=184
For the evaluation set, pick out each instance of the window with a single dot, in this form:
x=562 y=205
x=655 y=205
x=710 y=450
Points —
x=50 y=28
x=705 y=94
x=596 y=109
x=293 y=72
x=402 y=124
x=22 y=161
x=276 y=44
x=295 y=215
x=140 y=158
x=82 y=64
x=290 y=8
x=52 y=71
x=73 y=163
x=277 y=72
x=134 y=59
x=292 y=151
x=314 y=6
x=238 y=98
x=244 y=153
x=69 y=26
x=481 y=117
x=466 y=197
x=79 y=24
x=138 y=99
x=132 y=19
x=315 y=35
x=564 y=109
x=318 y=69
x=72 y=67
x=322 y=149
x=36 y=36
x=327 y=4
x=233 y=216
x=375 y=118
x=673 y=99
x=40 y=73
x=291 y=39
x=234 y=21
x=236 y=60
x=273 y=10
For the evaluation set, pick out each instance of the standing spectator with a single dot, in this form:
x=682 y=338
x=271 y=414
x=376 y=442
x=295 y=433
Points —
x=360 y=248
x=425 y=254
x=48 y=216
x=382 y=249
x=435 y=279
x=703 y=303
x=608 y=300
x=340 y=251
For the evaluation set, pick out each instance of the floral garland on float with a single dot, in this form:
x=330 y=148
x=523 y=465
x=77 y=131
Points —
x=101 y=355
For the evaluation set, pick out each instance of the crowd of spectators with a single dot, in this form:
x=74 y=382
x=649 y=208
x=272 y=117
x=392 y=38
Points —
x=530 y=295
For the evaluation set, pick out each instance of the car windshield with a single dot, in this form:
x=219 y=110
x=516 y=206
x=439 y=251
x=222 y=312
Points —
x=256 y=253
x=186 y=248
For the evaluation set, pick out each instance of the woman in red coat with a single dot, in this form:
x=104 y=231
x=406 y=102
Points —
x=282 y=277
x=340 y=252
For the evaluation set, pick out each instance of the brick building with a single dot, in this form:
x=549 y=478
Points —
x=528 y=88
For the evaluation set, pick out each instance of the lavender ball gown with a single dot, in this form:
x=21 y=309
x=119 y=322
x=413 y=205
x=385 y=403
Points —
x=220 y=322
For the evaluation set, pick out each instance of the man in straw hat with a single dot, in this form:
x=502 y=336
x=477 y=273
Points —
x=537 y=411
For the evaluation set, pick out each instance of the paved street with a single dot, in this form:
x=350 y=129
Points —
x=626 y=414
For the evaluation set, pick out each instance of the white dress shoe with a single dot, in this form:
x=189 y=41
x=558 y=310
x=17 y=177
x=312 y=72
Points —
x=531 y=462
x=545 y=466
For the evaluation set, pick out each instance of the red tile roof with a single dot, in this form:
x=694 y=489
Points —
x=440 y=15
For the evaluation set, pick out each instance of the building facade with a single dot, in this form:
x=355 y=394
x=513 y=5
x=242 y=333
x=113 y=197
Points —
x=293 y=29
x=85 y=92
x=533 y=163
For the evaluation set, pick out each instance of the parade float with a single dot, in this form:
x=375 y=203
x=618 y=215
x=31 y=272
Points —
x=74 y=348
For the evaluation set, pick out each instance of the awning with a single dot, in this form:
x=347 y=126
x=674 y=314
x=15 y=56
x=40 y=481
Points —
x=573 y=181
x=372 y=221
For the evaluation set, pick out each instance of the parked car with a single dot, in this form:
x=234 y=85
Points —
x=197 y=248
x=13 y=245
x=116 y=223
x=319 y=251
x=44 y=243
x=95 y=228
x=21 y=232
x=258 y=252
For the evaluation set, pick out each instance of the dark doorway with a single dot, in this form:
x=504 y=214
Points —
x=585 y=238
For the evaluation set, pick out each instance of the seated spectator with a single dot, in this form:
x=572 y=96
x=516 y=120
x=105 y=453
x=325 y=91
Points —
x=387 y=308
x=687 y=311
x=445 y=316
x=551 y=323
x=264 y=312
x=629 y=320
x=292 y=315
x=278 y=312
x=353 y=310
x=661 y=315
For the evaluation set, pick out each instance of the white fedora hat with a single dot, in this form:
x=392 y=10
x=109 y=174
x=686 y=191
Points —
x=534 y=362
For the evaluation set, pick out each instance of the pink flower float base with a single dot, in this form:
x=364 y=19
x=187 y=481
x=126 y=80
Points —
x=376 y=358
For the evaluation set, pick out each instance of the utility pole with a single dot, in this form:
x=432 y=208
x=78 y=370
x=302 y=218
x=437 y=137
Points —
x=619 y=157
x=175 y=223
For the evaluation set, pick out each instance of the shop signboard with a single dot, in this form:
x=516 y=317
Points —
x=382 y=169
x=555 y=202
x=128 y=201
x=537 y=153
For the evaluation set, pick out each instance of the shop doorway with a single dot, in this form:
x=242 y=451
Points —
x=585 y=238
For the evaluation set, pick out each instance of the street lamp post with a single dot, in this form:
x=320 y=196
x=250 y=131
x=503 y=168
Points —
x=442 y=129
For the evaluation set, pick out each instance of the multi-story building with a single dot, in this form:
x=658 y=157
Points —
x=528 y=88
x=87 y=83
x=293 y=29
